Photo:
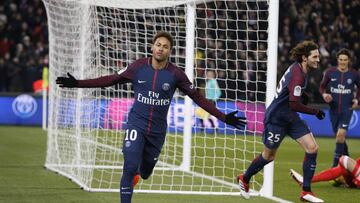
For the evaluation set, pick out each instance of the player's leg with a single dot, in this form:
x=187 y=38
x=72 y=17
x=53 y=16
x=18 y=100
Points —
x=339 y=146
x=132 y=151
x=310 y=146
x=272 y=137
x=256 y=165
x=301 y=133
x=334 y=118
x=325 y=175
x=152 y=149
x=346 y=149
x=329 y=174
x=342 y=121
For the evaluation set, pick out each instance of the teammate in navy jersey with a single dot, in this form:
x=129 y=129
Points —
x=341 y=81
x=281 y=119
x=155 y=80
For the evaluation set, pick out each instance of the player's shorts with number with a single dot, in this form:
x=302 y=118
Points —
x=282 y=123
x=137 y=140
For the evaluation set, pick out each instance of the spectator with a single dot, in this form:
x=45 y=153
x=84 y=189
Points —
x=23 y=42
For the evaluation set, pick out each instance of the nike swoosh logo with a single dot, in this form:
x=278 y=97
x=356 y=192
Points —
x=333 y=79
x=141 y=81
x=344 y=126
x=125 y=188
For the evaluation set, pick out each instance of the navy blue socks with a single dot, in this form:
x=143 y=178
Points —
x=339 y=150
x=256 y=165
x=309 y=166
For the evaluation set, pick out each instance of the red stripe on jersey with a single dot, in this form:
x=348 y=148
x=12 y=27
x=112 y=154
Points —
x=340 y=95
x=152 y=106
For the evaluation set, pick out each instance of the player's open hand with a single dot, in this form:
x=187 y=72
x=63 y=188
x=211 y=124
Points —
x=320 y=115
x=355 y=103
x=69 y=81
x=237 y=122
x=327 y=97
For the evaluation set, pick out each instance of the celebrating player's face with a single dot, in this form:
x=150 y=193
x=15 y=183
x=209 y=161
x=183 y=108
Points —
x=161 y=49
x=343 y=61
x=313 y=59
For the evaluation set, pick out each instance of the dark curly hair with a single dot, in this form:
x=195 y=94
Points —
x=302 y=49
x=343 y=51
x=166 y=35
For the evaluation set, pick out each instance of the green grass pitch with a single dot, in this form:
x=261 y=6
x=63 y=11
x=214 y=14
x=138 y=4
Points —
x=24 y=179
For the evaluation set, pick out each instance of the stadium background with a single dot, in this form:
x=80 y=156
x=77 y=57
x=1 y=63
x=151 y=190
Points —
x=24 y=54
x=332 y=24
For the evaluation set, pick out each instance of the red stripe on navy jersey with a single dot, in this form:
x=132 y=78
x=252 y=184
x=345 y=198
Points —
x=340 y=95
x=152 y=107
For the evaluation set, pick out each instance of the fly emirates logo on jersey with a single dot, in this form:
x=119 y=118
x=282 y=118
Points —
x=152 y=99
x=340 y=90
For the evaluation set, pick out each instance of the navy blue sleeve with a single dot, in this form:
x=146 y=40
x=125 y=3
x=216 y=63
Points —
x=123 y=76
x=295 y=84
x=295 y=91
x=324 y=82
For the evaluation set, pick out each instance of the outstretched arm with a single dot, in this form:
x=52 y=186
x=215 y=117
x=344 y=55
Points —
x=122 y=76
x=103 y=81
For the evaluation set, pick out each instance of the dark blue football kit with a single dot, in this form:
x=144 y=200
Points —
x=146 y=127
x=280 y=118
x=341 y=87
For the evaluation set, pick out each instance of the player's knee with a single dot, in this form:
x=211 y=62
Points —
x=312 y=148
x=340 y=136
x=131 y=167
x=343 y=161
x=146 y=169
x=269 y=154
x=145 y=173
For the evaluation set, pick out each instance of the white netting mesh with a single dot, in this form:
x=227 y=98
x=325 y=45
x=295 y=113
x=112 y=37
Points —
x=95 y=38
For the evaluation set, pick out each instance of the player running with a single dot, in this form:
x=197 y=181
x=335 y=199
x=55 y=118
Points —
x=155 y=80
x=341 y=81
x=281 y=118
x=348 y=168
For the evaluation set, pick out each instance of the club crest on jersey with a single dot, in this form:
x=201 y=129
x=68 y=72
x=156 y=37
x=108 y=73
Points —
x=297 y=91
x=166 y=86
x=349 y=81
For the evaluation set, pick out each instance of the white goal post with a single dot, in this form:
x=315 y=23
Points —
x=92 y=38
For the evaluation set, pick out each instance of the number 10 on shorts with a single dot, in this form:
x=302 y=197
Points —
x=130 y=136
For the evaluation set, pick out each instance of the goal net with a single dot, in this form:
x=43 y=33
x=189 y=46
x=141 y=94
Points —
x=92 y=38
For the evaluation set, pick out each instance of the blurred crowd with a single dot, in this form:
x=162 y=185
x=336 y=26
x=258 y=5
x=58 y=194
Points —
x=23 y=44
x=238 y=57
x=332 y=24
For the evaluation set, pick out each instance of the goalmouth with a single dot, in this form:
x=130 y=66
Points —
x=92 y=38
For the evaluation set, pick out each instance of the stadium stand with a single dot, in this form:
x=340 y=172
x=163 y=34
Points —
x=332 y=24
